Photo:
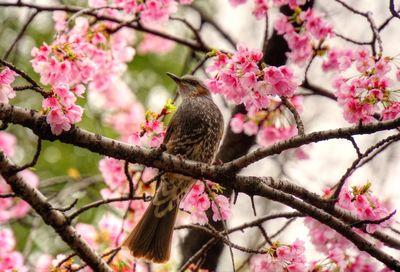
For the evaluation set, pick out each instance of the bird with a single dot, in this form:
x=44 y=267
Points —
x=194 y=133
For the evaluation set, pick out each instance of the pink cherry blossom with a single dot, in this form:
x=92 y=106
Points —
x=7 y=143
x=281 y=80
x=367 y=95
x=113 y=172
x=236 y=3
x=239 y=78
x=44 y=264
x=282 y=25
x=88 y=233
x=155 y=44
x=260 y=8
x=58 y=122
x=158 y=11
x=7 y=76
x=237 y=123
x=250 y=128
x=280 y=257
x=10 y=260
x=313 y=29
x=221 y=208
x=391 y=112
x=60 y=19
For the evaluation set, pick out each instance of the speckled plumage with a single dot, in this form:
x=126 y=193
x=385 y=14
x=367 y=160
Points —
x=194 y=133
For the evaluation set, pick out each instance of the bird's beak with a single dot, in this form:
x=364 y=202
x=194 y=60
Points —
x=174 y=77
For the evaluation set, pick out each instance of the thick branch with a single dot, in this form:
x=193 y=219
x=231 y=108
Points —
x=52 y=217
x=152 y=157
x=248 y=185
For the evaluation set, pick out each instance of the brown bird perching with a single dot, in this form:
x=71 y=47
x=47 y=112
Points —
x=194 y=132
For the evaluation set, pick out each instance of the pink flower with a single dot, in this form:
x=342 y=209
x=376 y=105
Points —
x=60 y=19
x=50 y=102
x=281 y=80
x=283 y=253
x=155 y=44
x=113 y=172
x=44 y=263
x=338 y=60
x=382 y=67
x=158 y=11
x=74 y=113
x=215 y=85
x=7 y=240
x=237 y=123
x=221 y=208
x=391 y=112
x=282 y=25
x=250 y=128
x=300 y=46
x=281 y=258
x=236 y=3
x=58 y=122
x=260 y=8
x=220 y=61
x=88 y=233
x=7 y=76
x=7 y=143
x=65 y=97
x=111 y=226
x=315 y=25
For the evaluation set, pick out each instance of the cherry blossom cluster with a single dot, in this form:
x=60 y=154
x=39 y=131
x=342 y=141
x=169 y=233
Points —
x=281 y=257
x=10 y=259
x=305 y=33
x=152 y=132
x=261 y=6
x=241 y=78
x=370 y=94
x=61 y=109
x=270 y=125
x=7 y=76
x=341 y=254
x=107 y=235
x=114 y=176
x=198 y=201
x=84 y=54
x=13 y=208
x=338 y=261
x=155 y=44
x=360 y=201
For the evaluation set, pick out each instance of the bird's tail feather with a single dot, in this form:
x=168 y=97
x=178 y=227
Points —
x=151 y=238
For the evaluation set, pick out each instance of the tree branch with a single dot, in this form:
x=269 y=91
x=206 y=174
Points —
x=56 y=219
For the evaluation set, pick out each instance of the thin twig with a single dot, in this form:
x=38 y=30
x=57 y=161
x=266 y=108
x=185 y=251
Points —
x=34 y=159
x=20 y=34
x=106 y=201
x=129 y=178
x=393 y=10
x=24 y=75
x=296 y=115
x=359 y=224
x=353 y=166
x=266 y=35
x=69 y=207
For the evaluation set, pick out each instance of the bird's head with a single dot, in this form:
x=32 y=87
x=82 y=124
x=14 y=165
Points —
x=190 y=86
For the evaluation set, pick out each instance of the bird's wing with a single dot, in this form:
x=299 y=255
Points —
x=184 y=131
